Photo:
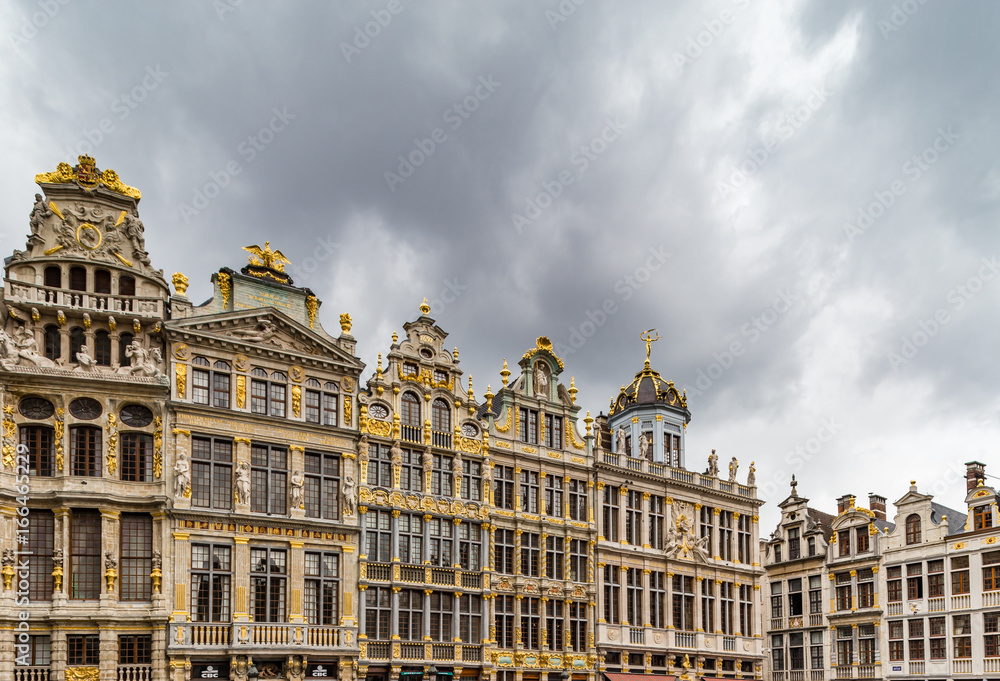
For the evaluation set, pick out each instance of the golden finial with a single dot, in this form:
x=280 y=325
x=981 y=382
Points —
x=648 y=337
x=424 y=307
x=472 y=395
x=180 y=283
x=489 y=398
x=504 y=373
x=572 y=389
x=346 y=323
x=454 y=354
x=588 y=421
x=395 y=338
x=379 y=367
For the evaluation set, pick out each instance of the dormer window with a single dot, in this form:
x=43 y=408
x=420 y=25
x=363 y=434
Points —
x=811 y=543
x=862 y=539
x=913 y=529
x=982 y=517
x=409 y=369
x=440 y=376
x=777 y=553
x=794 y=547
x=844 y=540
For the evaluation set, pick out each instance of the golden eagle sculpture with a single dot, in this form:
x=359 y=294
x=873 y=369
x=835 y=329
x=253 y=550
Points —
x=265 y=257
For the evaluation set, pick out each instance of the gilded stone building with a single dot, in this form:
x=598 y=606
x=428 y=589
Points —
x=83 y=393
x=677 y=576
x=262 y=454
x=424 y=512
x=543 y=530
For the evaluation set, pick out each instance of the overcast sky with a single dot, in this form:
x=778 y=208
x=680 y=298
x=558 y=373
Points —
x=791 y=193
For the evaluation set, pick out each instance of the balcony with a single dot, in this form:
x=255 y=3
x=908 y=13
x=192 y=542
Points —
x=19 y=292
x=238 y=636
x=815 y=620
x=779 y=676
x=991 y=664
x=31 y=674
x=684 y=640
x=442 y=440
x=869 y=671
x=917 y=669
x=729 y=643
x=420 y=652
x=777 y=623
x=412 y=574
x=662 y=470
x=961 y=602
x=636 y=635
x=935 y=604
x=991 y=599
x=816 y=675
x=135 y=672
x=797 y=675
x=895 y=608
x=961 y=666
x=845 y=672
x=411 y=434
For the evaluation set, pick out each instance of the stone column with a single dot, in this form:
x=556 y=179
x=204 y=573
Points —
x=542 y=550
x=58 y=653
x=669 y=608
x=644 y=519
x=241 y=455
x=394 y=616
x=488 y=617
x=518 y=640
x=543 y=631
x=699 y=624
x=394 y=539
x=296 y=579
x=61 y=543
x=116 y=358
x=517 y=551
x=110 y=543
x=426 y=549
x=623 y=602
x=241 y=579
x=646 y=600
x=362 y=533
x=456 y=617
x=427 y=614
x=566 y=483
x=362 y=635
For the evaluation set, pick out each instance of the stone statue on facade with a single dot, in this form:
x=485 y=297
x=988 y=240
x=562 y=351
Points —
x=84 y=361
x=182 y=475
x=39 y=213
x=363 y=448
x=541 y=380
x=620 y=441
x=350 y=502
x=57 y=558
x=242 y=484
x=713 y=465
x=298 y=484
x=134 y=233
x=143 y=362
x=262 y=332
x=157 y=561
x=733 y=467
x=643 y=444
x=396 y=454
x=109 y=561
x=752 y=475
x=21 y=349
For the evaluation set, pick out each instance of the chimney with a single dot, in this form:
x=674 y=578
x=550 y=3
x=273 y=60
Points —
x=845 y=503
x=974 y=472
x=876 y=504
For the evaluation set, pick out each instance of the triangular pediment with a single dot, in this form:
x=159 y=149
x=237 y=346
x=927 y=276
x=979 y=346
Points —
x=266 y=329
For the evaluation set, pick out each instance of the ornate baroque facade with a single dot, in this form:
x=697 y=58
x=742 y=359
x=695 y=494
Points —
x=211 y=492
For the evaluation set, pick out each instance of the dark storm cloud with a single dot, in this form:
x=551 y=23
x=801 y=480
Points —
x=586 y=174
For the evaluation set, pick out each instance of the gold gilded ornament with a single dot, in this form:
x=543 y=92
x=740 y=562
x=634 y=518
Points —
x=225 y=288
x=346 y=323
x=265 y=257
x=180 y=283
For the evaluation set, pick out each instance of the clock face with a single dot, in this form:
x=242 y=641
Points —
x=378 y=411
x=469 y=430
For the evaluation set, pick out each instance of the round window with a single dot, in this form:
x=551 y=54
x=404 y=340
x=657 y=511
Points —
x=136 y=416
x=85 y=408
x=377 y=411
x=36 y=408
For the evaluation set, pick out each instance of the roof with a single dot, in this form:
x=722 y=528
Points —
x=821 y=519
x=648 y=387
x=956 y=519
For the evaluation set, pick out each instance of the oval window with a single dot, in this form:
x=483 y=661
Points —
x=36 y=408
x=136 y=416
x=85 y=408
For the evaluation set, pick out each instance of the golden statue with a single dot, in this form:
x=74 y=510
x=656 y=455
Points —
x=265 y=257
x=648 y=337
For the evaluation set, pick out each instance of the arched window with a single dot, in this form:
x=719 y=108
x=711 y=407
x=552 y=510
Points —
x=53 y=342
x=124 y=341
x=440 y=416
x=913 y=529
x=126 y=286
x=76 y=342
x=78 y=279
x=102 y=348
x=102 y=281
x=53 y=277
x=410 y=412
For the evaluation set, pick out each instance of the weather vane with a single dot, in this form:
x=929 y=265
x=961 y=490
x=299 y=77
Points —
x=648 y=337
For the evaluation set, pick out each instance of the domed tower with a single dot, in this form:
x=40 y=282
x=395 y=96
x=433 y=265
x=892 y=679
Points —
x=648 y=417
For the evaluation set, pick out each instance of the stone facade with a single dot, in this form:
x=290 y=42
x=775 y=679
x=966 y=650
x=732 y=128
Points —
x=212 y=493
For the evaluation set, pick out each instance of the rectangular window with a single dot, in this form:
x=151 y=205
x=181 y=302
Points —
x=845 y=646
x=220 y=390
x=746 y=610
x=961 y=635
x=916 y=638
x=472 y=480
x=816 y=657
x=794 y=543
x=211 y=578
x=796 y=651
x=442 y=613
x=554 y=624
x=530 y=622
x=611 y=509
x=321 y=592
x=657 y=600
x=794 y=597
x=708 y=605
x=441 y=476
x=815 y=595
x=411 y=538
x=504 y=543
x=258 y=396
x=442 y=533
x=470 y=617
x=411 y=615
x=577 y=623
x=330 y=403
x=83 y=650
x=683 y=603
x=991 y=629
x=656 y=522
x=726 y=535
x=503 y=487
x=137 y=457
x=633 y=518
x=935 y=578
x=529 y=491
x=844 y=541
x=577 y=500
x=529 y=554
x=705 y=529
x=136 y=560
x=312 y=406
x=268 y=584
x=85 y=555
x=268 y=479
x=135 y=649
x=612 y=594
x=743 y=536
x=960 y=575
x=553 y=496
x=199 y=386
x=991 y=571
x=578 y=560
x=321 y=487
x=40 y=442
x=503 y=619
x=85 y=451
x=277 y=399
x=470 y=544
x=554 y=557
x=726 y=608
x=39 y=652
x=866 y=646
x=553 y=431
x=378 y=612
x=528 y=426
x=41 y=537
x=211 y=473
x=896 y=641
x=982 y=517
x=633 y=597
